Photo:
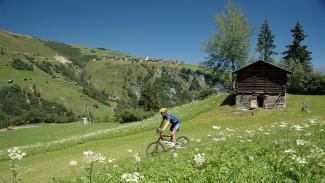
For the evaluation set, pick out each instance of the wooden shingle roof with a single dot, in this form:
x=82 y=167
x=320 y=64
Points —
x=264 y=62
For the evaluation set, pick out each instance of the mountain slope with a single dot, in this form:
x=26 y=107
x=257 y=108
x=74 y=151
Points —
x=76 y=76
x=55 y=89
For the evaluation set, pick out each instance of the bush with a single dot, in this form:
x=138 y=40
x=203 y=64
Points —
x=20 y=65
x=203 y=93
x=66 y=71
x=44 y=66
x=302 y=82
x=97 y=95
x=133 y=114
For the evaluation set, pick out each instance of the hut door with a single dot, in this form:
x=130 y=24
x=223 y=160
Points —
x=260 y=101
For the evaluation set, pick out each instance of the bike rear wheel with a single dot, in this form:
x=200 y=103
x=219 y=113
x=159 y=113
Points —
x=155 y=148
x=182 y=141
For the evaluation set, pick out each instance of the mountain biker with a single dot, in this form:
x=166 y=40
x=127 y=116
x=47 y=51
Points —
x=171 y=119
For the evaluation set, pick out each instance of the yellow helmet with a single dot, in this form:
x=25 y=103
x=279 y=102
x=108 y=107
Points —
x=163 y=110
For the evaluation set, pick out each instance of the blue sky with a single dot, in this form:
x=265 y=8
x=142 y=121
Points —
x=169 y=29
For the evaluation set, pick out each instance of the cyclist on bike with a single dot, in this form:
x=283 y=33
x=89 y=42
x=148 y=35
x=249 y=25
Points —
x=171 y=119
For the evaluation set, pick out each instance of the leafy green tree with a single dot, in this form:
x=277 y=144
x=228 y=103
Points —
x=296 y=52
x=148 y=99
x=302 y=82
x=265 y=44
x=228 y=48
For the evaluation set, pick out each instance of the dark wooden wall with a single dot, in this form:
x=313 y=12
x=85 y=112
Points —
x=261 y=78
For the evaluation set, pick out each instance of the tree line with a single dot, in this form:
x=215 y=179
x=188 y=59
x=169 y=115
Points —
x=228 y=50
x=18 y=107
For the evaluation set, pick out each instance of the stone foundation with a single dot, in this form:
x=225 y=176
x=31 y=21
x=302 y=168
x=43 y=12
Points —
x=269 y=101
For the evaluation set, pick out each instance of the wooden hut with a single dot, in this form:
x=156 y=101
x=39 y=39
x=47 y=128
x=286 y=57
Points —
x=261 y=85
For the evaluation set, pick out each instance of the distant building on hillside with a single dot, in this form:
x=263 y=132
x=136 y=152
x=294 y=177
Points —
x=261 y=85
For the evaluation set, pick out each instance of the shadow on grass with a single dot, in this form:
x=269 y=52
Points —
x=230 y=100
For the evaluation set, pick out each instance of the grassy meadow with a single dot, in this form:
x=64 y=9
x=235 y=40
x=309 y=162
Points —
x=249 y=147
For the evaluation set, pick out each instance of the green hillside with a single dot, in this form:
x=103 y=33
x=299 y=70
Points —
x=76 y=76
x=58 y=89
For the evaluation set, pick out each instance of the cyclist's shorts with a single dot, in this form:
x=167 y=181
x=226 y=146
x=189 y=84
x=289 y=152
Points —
x=175 y=126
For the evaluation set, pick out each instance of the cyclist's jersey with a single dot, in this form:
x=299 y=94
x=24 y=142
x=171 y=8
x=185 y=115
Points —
x=171 y=118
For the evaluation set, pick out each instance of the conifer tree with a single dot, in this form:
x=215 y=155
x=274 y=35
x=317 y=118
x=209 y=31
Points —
x=296 y=52
x=148 y=99
x=265 y=44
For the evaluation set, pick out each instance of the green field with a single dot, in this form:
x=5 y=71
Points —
x=197 y=119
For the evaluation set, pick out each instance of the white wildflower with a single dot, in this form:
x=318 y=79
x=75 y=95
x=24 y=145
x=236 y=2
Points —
x=283 y=124
x=129 y=150
x=198 y=140
x=137 y=157
x=219 y=139
x=260 y=129
x=289 y=151
x=216 y=127
x=209 y=135
x=115 y=166
x=73 y=163
x=90 y=157
x=301 y=160
x=300 y=142
x=297 y=127
x=175 y=155
x=199 y=159
x=267 y=133
x=249 y=131
x=108 y=175
x=111 y=160
x=135 y=177
x=230 y=130
x=196 y=149
x=313 y=121
x=15 y=153
x=317 y=153
x=87 y=153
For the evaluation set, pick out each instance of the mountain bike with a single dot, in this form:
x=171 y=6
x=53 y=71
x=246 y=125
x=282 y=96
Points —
x=158 y=146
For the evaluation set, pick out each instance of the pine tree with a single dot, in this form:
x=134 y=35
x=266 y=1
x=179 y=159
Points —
x=265 y=44
x=296 y=52
x=149 y=99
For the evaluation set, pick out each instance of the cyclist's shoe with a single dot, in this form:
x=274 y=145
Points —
x=170 y=144
x=177 y=146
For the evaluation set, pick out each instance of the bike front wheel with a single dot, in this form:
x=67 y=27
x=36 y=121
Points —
x=182 y=141
x=155 y=148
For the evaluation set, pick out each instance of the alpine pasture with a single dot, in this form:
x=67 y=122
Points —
x=227 y=145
